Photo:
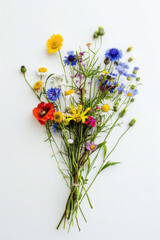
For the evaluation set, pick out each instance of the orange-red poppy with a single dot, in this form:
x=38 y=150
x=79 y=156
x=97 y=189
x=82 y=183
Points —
x=44 y=112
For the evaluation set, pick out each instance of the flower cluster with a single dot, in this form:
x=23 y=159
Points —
x=87 y=100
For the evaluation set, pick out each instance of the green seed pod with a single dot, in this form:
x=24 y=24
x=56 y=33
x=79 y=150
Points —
x=23 y=69
x=96 y=34
x=130 y=59
x=115 y=107
x=133 y=87
x=129 y=78
x=138 y=79
x=101 y=31
x=132 y=122
x=132 y=99
x=123 y=112
x=129 y=48
x=106 y=61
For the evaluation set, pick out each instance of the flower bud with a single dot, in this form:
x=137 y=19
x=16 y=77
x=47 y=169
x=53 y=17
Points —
x=135 y=70
x=106 y=61
x=138 y=79
x=132 y=122
x=123 y=112
x=101 y=31
x=130 y=59
x=129 y=48
x=132 y=99
x=96 y=34
x=23 y=69
x=128 y=78
x=133 y=87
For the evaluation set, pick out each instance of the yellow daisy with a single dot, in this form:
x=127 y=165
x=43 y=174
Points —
x=54 y=43
x=77 y=116
x=38 y=85
x=58 y=117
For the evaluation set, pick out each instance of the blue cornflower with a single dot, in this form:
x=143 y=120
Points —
x=113 y=75
x=55 y=128
x=70 y=59
x=109 y=85
x=121 y=88
x=131 y=75
x=53 y=93
x=122 y=69
x=123 y=65
x=113 y=54
x=131 y=93
x=136 y=68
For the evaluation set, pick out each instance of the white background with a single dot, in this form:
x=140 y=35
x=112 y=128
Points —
x=126 y=198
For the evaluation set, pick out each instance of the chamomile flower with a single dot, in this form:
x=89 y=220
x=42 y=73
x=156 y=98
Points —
x=42 y=71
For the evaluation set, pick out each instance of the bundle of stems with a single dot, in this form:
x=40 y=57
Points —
x=90 y=104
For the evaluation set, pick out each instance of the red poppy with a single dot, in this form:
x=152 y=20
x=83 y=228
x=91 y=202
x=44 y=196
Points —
x=44 y=112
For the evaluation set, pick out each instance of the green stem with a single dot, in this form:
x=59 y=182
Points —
x=31 y=87
x=63 y=66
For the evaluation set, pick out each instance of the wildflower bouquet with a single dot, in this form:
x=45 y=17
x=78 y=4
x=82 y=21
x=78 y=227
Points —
x=77 y=107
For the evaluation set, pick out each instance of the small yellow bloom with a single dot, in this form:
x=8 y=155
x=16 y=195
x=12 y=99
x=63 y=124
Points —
x=42 y=70
x=129 y=94
x=69 y=92
x=104 y=72
x=38 y=85
x=54 y=43
x=58 y=117
x=77 y=116
x=105 y=108
x=88 y=44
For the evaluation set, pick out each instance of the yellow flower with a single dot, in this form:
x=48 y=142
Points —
x=58 y=117
x=69 y=92
x=42 y=70
x=104 y=72
x=129 y=94
x=37 y=85
x=105 y=108
x=88 y=44
x=54 y=43
x=77 y=116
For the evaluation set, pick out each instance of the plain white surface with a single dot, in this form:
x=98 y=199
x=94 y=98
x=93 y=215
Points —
x=32 y=194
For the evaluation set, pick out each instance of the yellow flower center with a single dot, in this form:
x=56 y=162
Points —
x=69 y=92
x=92 y=147
x=78 y=119
x=129 y=94
x=58 y=117
x=105 y=108
x=54 y=45
x=38 y=85
x=42 y=70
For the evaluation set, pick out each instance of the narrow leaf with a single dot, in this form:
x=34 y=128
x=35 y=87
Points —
x=109 y=164
x=105 y=150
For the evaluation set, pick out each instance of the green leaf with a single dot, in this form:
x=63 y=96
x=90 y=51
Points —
x=105 y=150
x=101 y=144
x=108 y=164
